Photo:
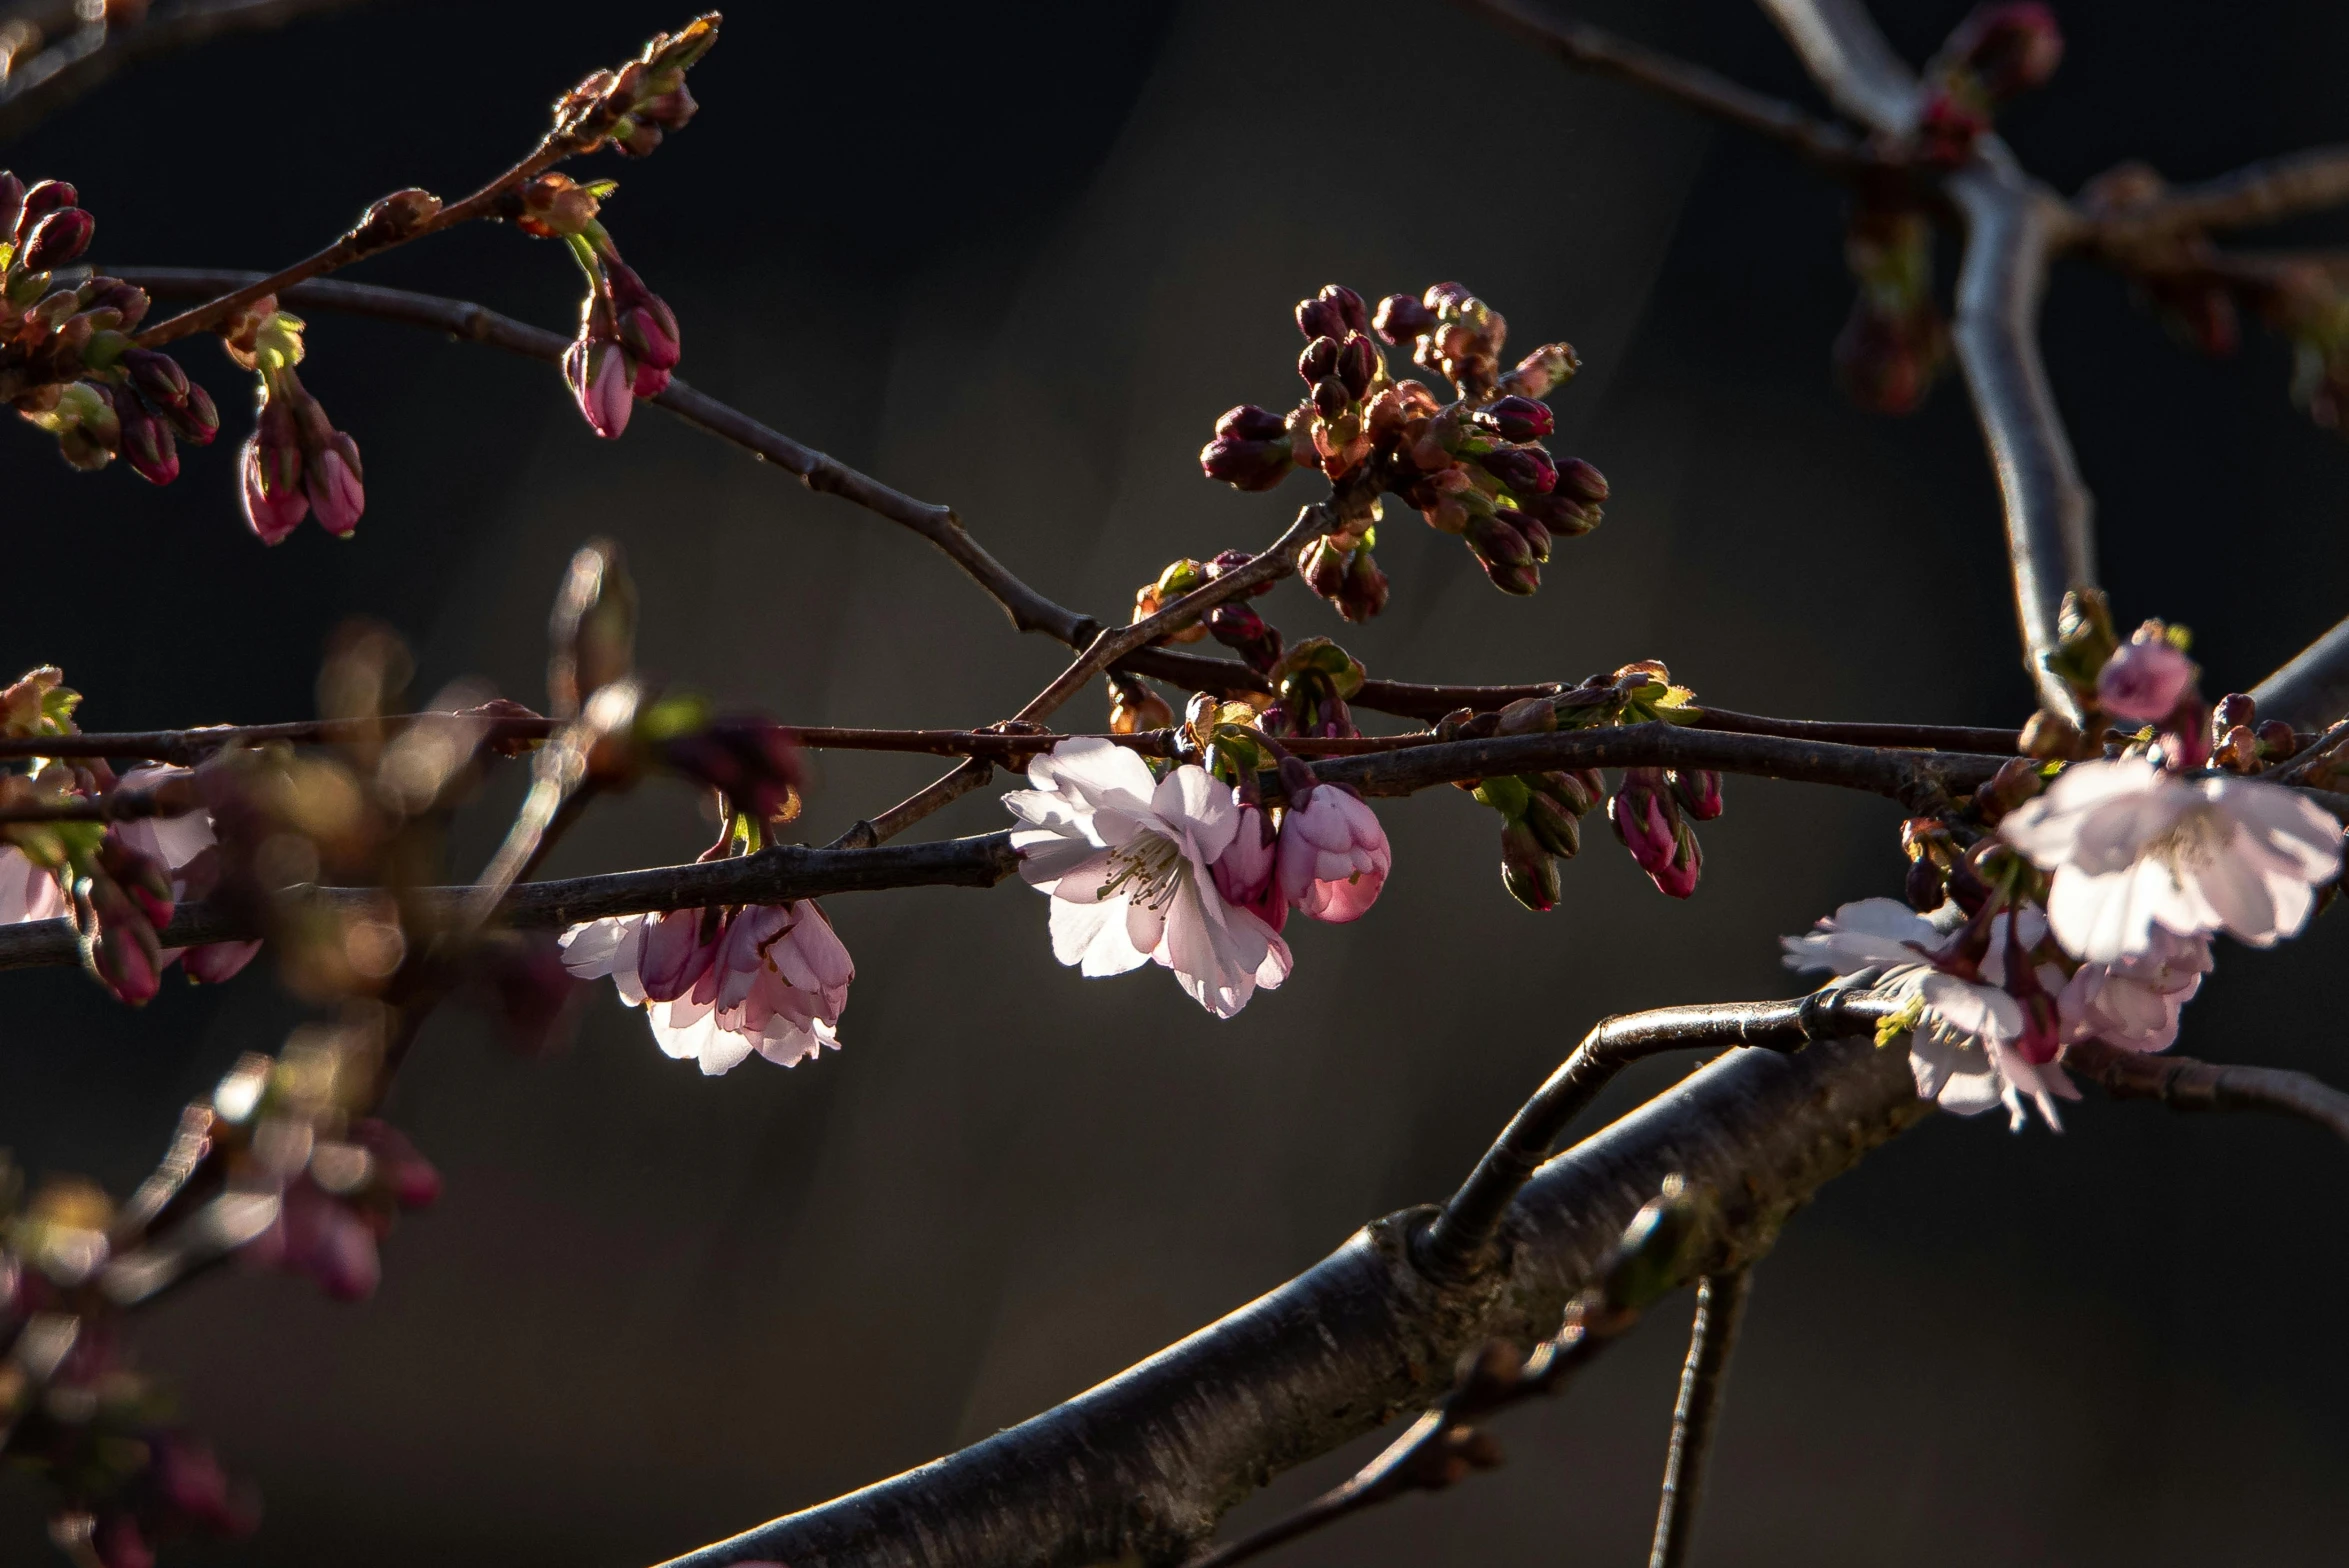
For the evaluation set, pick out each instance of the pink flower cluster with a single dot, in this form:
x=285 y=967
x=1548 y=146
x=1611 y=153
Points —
x=717 y=985
x=1181 y=872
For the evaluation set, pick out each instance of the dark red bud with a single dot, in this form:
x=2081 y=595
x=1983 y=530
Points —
x=1250 y=423
x=46 y=196
x=1319 y=361
x=196 y=421
x=1578 y=481
x=1348 y=305
x=1517 y=419
x=2233 y=709
x=1320 y=318
x=2277 y=740
x=1331 y=396
x=146 y=443
x=11 y=202
x=157 y=376
x=1357 y=363
x=1525 y=470
x=1401 y=318
x=1247 y=465
x=57 y=239
x=1496 y=542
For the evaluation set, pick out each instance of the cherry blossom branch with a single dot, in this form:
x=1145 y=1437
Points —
x=384 y=228
x=1142 y=1465
x=46 y=79
x=1847 y=56
x=1712 y=1335
x=2184 y=1084
x=1831 y=146
x=2314 y=686
x=2012 y=227
x=2262 y=192
x=1459 y=1243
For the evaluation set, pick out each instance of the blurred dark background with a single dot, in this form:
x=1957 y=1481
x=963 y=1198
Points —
x=1018 y=258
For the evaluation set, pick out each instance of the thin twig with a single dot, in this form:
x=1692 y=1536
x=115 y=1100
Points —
x=371 y=238
x=2263 y=192
x=1823 y=142
x=1458 y=1244
x=1712 y=1335
x=2184 y=1084
x=2011 y=228
x=1847 y=56
x=54 y=76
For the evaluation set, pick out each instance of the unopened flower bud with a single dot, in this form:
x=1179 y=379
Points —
x=2233 y=709
x=2016 y=781
x=157 y=376
x=1319 y=361
x=1496 y=543
x=2238 y=750
x=2144 y=680
x=1525 y=470
x=1331 y=399
x=1248 y=464
x=1401 y=318
x=1924 y=886
x=1134 y=708
x=1698 y=790
x=11 y=203
x=1643 y=817
x=1320 y=318
x=1246 y=633
x=147 y=443
x=332 y=478
x=754 y=764
x=2010 y=48
x=46 y=196
x=196 y=421
x=58 y=239
x=271 y=471
x=1247 y=422
x=1557 y=829
x=1576 y=791
x=2277 y=741
x=1528 y=871
x=2050 y=737
x=1322 y=564
x=601 y=384
x=1364 y=592
x=1357 y=363
x=1517 y=419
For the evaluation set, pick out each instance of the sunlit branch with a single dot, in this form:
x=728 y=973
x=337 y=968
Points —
x=2314 y=687
x=1847 y=56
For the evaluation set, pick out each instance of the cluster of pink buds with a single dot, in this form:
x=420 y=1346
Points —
x=633 y=107
x=628 y=343
x=1311 y=684
x=296 y=462
x=1997 y=54
x=67 y=360
x=293 y=1129
x=1473 y=467
x=1322 y=851
x=1541 y=812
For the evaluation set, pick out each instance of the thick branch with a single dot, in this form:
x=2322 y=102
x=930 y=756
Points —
x=58 y=74
x=1711 y=1337
x=2314 y=688
x=2011 y=228
x=1818 y=141
x=1144 y=1464
x=1848 y=57
x=2184 y=1084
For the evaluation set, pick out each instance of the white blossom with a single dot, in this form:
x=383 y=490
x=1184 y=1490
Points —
x=2133 y=849
x=1967 y=1048
x=1127 y=861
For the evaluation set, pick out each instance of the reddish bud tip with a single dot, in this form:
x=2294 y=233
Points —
x=1517 y=419
x=58 y=239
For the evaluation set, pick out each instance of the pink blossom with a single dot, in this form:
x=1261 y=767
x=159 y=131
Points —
x=680 y=945
x=1245 y=871
x=771 y=978
x=1126 y=860
x=1333 y=855
x=2144 y=680
x=2133 y=849
x=27 y=892
x=2134 y=1003
x=1643 y=819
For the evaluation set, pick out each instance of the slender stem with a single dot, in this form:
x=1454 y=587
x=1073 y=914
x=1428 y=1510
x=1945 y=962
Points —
x=2263 y=192
x=1457 y=1245
x=2184 y=1084
x=38 y=86
x=1720 y=1303
x=1822 y=142
x=2011 y=228
x=1848 y=57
